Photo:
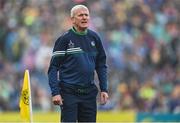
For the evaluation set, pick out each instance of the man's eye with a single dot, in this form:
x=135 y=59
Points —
x=83 y=15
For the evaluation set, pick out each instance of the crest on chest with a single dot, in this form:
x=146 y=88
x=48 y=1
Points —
x=93 y=43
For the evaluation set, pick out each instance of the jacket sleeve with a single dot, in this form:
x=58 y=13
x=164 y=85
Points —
x=57 y=58
x=101 y=67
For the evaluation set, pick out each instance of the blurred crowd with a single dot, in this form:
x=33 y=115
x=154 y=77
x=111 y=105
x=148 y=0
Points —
x=141 y=39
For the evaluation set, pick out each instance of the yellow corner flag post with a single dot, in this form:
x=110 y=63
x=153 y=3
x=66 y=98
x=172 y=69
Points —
x=25 y=103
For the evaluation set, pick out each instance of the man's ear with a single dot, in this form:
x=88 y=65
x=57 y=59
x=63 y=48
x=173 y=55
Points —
x=72 y=19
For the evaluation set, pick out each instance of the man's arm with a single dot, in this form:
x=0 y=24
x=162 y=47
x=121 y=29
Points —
x=101 y=69
x=56 y=61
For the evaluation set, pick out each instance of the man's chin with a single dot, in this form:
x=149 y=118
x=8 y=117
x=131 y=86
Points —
x=84 y=28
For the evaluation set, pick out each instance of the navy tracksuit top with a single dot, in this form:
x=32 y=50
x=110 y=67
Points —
x=75 y=58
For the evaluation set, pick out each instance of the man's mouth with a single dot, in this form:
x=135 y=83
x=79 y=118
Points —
x=84 y=22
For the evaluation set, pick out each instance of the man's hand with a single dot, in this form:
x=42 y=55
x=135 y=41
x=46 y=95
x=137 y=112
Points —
x=57 y=100
x=103 y=98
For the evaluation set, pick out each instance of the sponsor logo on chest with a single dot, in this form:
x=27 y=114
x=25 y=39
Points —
x=72 y=49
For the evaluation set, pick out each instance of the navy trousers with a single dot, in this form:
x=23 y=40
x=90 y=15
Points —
x=79 y=103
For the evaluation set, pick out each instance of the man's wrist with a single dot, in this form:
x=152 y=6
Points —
x=104 y=90
x=55 y=93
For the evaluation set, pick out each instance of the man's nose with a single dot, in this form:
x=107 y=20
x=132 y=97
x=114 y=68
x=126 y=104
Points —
x=84 y=17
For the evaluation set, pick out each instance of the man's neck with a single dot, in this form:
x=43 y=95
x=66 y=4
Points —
x=83 y=32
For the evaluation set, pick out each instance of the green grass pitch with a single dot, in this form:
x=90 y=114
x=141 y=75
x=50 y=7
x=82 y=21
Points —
x=55 y=117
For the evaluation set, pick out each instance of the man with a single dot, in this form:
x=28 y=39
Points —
x=76 y=55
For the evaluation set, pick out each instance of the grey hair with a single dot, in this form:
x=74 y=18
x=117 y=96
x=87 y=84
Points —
x=77 y=7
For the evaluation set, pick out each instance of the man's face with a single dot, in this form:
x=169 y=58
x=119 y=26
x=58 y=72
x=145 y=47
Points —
x=81 y=19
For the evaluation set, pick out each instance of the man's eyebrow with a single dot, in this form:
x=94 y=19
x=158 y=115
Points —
x=83 y=14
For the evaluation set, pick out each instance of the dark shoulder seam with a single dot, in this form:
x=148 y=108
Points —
x=95 y=35
x=65 y=33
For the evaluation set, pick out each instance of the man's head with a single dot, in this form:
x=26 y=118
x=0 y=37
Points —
x=80 y=17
